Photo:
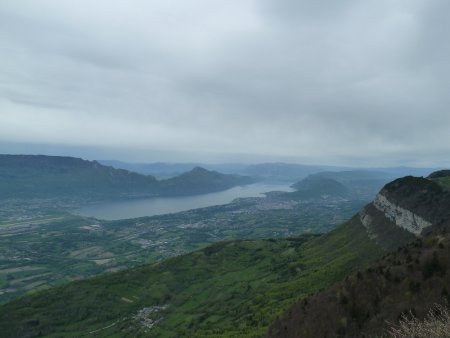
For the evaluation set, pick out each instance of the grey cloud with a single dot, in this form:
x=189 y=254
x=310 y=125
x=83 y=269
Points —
x=329 y=81
x=305 y=10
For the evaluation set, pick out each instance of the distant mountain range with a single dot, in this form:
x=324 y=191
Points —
x=292 y=171
x=201 y=181
x=269 y=171
x=315 y=186
x=286 y=171
x=163 y=170
x=30 y=176
x=362 y=184
x=239 y=288
x=349 y=184
x=39 y=176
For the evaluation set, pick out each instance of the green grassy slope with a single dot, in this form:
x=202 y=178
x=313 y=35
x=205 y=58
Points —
x=228 y=289
x=365 y=304
x=59 y=247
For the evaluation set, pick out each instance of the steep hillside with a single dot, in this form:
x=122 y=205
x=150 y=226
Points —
x=411 y=279
x=415 y=204
x=228 y=289
x=30 y=176
x=53 y=251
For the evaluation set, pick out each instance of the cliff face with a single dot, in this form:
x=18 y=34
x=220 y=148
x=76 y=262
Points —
x=425 y=198
x=402 y=217
x=406 y=208
x=410 y=215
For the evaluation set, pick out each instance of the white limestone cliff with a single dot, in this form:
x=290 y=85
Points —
x=400 y=216
x=366 y=220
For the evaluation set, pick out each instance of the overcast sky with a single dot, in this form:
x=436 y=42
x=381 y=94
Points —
x=346 y=82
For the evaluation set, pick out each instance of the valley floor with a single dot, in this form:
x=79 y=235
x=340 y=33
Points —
x=228 y=289
x=42 y=245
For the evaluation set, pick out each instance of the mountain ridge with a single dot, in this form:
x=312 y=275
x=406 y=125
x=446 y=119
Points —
x=414 y=212
x=41 y=176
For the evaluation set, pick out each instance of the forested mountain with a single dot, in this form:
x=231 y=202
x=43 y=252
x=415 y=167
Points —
x=410 y=281
x=200 y=181
x=316 y=186
x=30 y=176
x=411 y=211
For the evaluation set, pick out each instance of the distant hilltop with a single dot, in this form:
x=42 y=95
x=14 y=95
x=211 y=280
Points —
x=40 y=176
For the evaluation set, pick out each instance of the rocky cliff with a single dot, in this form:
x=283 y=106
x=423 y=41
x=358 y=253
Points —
x=409 y=217
x=406 y=207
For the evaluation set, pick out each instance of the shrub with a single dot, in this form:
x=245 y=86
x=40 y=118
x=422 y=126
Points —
x=436 y=324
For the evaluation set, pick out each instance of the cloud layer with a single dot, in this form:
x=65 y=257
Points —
x=343 y=82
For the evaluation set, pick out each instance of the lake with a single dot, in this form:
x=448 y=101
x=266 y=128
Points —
x=166 y=205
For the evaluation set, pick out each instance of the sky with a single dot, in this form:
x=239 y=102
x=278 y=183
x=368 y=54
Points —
x=349 y=82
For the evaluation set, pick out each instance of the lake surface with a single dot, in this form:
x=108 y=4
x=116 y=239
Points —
x=166 y=205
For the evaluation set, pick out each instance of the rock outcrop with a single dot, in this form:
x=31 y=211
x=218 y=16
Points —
x=402 y=217
x=414 y=204
x=410 y=218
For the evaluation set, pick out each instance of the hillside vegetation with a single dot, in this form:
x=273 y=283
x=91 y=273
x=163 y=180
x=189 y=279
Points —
x=39 y=253
x=228 y=289
x=407 y=282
